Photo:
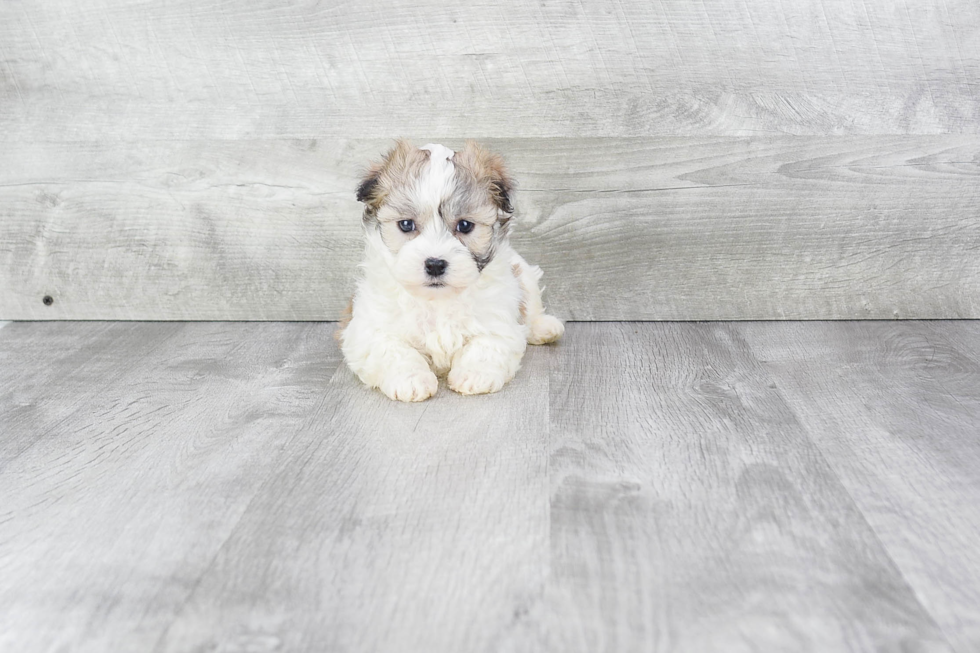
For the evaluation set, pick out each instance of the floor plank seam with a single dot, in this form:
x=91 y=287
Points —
x=806 y=431
x=812 y=485
x=261 y=488
x=874 y=531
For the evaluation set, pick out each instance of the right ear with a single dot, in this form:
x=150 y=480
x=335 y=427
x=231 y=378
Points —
x=398 y=162
x=367 y=192
x=371 y=190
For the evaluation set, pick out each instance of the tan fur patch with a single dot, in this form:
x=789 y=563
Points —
x=489 y=171
x=480 y=196
x=402 y=164
x=345 y=317
x=486 y=186
x=517 y=270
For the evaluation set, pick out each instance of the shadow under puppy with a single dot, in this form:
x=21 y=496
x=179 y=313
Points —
x=441 y=290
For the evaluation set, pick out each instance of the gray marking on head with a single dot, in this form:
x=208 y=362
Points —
x=484 y=261
x=370 y=217
x=500 y=231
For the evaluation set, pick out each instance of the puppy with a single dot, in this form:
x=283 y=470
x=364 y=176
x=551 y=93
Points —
x=441 y=291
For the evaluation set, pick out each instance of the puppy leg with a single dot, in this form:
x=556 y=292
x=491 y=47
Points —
x=486 y=363
x=542 y=328
x=386 y=363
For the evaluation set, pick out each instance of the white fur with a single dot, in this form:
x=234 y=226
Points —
x=403 y=334
x=438 y=175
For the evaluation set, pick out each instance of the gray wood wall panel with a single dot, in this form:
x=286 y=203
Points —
x=739 y=160
x=713 y=228
x=130 y=70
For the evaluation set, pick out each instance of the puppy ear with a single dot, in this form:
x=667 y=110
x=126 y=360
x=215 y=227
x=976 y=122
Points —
x=367 y=192
x=489 y=169
x=500 y=189
x=399 y=165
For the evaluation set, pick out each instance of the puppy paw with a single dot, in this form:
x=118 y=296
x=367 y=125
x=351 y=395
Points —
x=475 y=382
x=544 y=329
x=416 y=386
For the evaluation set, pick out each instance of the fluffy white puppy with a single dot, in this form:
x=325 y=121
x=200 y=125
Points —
x=441 y=293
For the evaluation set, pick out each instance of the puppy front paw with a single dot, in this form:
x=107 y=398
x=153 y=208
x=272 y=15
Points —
x=468 y=381
x=544 y=329
x=414 y=386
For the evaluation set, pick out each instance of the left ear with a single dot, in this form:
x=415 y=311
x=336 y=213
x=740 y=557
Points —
x=490 y=170
x=501 y=186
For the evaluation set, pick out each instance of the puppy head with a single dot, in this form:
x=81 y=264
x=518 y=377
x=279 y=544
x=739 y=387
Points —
x=441 y=214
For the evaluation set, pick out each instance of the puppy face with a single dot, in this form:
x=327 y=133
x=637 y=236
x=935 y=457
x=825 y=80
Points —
x=440 y=213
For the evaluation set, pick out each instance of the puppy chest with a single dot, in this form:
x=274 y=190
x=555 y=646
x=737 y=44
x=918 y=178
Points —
x=439 y=335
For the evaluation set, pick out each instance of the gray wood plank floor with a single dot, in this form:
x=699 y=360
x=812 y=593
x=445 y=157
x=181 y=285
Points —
x=638 y=487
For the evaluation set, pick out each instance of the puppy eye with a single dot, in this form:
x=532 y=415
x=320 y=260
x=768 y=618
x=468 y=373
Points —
x=464 y=226
x=406 y=225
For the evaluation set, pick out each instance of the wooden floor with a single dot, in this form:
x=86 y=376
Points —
x=638 y=487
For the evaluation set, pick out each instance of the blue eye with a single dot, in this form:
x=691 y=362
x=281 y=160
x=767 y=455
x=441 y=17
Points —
x=464 y=226
x=406 y=225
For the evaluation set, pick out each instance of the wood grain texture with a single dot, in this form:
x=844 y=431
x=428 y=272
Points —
x=681 y=487
x=121 y=503
x=895 y=409
x=651 y=229
x=125 y=70
x=418 y=527
x=691 y=512
x=89 y=360
x=775 y=159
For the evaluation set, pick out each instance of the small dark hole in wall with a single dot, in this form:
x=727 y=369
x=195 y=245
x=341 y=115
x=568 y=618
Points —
x=48 y=300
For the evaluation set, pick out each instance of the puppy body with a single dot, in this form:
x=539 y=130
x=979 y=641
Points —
x=441 y=293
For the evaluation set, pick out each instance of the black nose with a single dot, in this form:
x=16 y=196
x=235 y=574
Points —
x=435 y=267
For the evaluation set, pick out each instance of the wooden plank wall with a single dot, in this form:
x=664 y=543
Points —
x=773 y=159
